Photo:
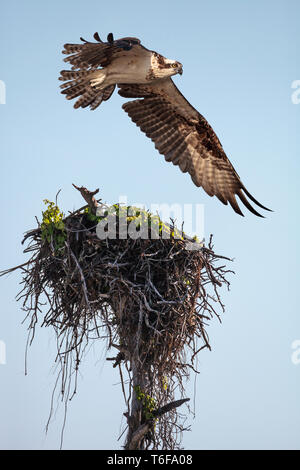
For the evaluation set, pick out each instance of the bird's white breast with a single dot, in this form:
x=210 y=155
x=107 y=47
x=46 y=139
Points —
x=129 y=69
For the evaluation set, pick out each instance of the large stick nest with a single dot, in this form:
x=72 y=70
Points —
x=150 y=298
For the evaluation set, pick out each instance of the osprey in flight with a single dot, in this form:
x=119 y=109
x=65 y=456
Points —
x=179 y=132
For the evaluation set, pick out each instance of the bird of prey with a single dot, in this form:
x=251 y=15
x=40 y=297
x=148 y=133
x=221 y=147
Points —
x=178 y=130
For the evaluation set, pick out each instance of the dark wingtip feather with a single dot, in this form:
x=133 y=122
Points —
x=233 y=202
x=97 y=37
x=110 y=38
x=255 y=201
x=248 y=205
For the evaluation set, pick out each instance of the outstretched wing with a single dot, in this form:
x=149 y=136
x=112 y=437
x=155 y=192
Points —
x=186 y=139
x=86 y=59
x=91 y=55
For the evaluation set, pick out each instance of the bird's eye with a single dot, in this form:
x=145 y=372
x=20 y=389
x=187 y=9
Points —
x=174 y=66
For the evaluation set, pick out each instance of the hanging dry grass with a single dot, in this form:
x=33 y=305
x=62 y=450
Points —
x=149 y=298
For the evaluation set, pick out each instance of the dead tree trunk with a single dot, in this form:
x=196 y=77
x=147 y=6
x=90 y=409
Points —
x=136 y=428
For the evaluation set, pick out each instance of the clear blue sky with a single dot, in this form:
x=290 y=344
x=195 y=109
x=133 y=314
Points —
x=240 y=59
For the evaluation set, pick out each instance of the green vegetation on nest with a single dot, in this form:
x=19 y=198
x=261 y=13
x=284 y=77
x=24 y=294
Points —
x=148 y=403
x=53 y=227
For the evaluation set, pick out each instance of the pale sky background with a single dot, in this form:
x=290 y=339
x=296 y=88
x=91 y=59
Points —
x=240 y=59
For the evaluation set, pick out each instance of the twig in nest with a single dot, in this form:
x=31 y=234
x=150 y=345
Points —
x=89 y=197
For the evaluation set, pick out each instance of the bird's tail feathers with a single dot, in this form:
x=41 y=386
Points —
x=88 y=85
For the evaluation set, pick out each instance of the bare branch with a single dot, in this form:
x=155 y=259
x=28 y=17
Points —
x=88 y=196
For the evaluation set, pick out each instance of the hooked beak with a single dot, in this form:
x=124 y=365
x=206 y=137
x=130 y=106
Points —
x=180 y=71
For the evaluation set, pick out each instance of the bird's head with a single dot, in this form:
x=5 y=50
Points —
x=163 y=68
